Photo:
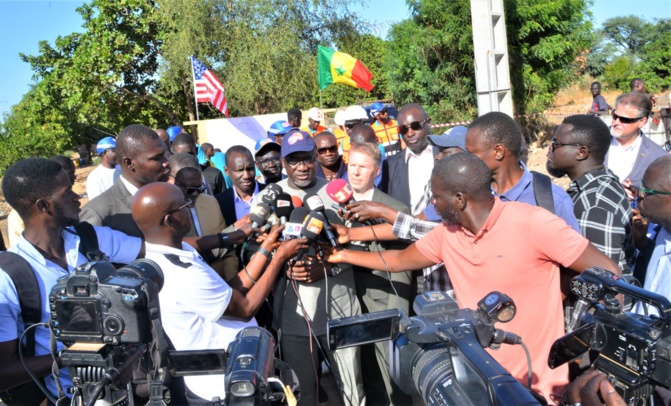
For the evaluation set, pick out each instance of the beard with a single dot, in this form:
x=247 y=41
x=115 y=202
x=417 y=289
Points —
x=62 y=220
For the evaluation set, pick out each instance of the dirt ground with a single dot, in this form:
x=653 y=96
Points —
x=574 y=100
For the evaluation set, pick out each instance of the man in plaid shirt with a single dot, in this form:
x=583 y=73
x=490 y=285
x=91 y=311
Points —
x=600 y=204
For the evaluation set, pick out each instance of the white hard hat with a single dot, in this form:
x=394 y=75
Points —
x=315 y=114
x=355 y=113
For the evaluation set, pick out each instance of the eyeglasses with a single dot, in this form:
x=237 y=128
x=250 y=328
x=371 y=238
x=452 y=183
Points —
x=195 y=190
x=332 y=149
x=415 y=125
x=643 y=192
x=556 y=145
x=625 y=120
x=188 y=203
x=309 y=162
x=264 y=162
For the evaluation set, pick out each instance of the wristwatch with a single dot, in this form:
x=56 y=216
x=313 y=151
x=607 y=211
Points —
x=224 y=240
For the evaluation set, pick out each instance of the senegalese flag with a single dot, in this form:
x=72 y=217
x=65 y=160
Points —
x=337 y=67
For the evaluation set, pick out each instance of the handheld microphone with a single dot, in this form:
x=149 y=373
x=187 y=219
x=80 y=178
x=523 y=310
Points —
x=283 y=207
x=293 y=228
x=340 y=191
x=315 y=203
x=313 y=225
x=270 y=194
x=296 y=201
x=259 y=215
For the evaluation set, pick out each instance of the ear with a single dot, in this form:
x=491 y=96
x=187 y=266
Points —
x=499 y=152
x=377 y=172
x=127 y=162
x=642 y=122
x=460 y=200
x=42 y=205
x=583 y=153
x=226 y=170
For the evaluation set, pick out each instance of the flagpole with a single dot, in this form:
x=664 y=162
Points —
x=321 y=105
x=195 y=97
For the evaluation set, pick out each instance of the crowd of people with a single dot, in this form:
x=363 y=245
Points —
x=458 y=212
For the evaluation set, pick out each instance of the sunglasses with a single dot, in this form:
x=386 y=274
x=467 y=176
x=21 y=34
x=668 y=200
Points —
x=625 y=120
x=415 y=126
x=195 y=190
x=351 y=124
x=644 y=191
x=333 y=149
x=554 y=145
x=188 y=203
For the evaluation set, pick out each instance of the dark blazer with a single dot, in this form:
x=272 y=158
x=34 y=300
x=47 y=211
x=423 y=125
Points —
x=227 y=203
x=647 y=153
x=395 y=180
x=112 y=209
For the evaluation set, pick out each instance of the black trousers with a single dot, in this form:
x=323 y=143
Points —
x=307 y=364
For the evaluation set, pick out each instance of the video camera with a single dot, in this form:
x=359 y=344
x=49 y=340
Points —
x=633 y=350
x=110 y=318
x=440 y=353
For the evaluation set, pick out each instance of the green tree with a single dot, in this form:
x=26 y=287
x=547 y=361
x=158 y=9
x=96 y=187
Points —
x=631 y=33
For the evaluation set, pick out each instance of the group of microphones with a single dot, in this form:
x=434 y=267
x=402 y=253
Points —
x=301 y=218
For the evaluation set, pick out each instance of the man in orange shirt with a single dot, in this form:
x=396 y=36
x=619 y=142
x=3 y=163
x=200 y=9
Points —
x=386 y=129
x=509 y=247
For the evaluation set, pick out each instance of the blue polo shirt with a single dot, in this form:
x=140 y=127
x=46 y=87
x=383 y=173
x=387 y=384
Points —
x=523 y=191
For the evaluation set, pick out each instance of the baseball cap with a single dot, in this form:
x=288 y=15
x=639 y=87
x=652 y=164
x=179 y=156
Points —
x=355 y=113
x=265 y=145
x=315 y=114
x=280 y=127
x=456 y=137
x=105 y=144
x=376 y=108
x=297 y=141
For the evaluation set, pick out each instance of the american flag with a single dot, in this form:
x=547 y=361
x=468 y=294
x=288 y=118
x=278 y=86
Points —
x=208 y=87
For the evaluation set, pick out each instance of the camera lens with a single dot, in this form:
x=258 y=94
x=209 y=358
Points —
x=113 y=325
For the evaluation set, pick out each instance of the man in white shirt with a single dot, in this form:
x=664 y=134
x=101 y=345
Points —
x=630 y=150
x=199 y=310
x=104 y=176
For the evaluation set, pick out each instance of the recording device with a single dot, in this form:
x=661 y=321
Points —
x=270 y=194
x=259 y=214
x=283 y=207
x=293 y=228
x=315 y=204
x=313 y=225
x=110 y=318
x=440 y=353
x=297 y=201
x=633 y=350
x=340 y=191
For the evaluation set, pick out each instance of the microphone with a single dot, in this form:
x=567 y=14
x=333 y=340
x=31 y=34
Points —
x=293 y=228
x=315 y=203
x=270 y=194
x=259 y=214
x=340 y=191
x=283 y=207
x=296 y=201
x=313 y=225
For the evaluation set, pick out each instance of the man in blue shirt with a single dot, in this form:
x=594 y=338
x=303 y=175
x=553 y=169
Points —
x=497 y=139
x=40 y=191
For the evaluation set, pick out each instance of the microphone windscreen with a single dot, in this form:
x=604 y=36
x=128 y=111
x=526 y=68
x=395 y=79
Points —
x=339 y=190
x=296 y=201
x=298 y=215
x=313 y=225
x=283 y=205
x=270 y=194
x=259 y=214
x=314 y=202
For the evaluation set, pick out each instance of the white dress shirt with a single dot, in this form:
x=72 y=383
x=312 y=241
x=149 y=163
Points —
x=419 y=173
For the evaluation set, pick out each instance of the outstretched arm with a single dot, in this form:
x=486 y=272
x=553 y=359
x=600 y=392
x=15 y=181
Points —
x=395 y=260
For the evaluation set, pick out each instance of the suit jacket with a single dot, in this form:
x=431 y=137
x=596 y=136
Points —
x=395 y=180
x=647 y=153
x=226 y=200
x=112 y=209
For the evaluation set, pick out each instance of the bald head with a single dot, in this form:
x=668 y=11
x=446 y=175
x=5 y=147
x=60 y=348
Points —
x=415 y=108
x=465 y=173
x=151 y=204
x=324 y=134
x=661 y=171
x=163 y=135
x=362 y=133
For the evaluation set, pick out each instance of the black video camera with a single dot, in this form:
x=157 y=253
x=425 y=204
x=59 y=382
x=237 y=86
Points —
x=439 y=354
x=633 y=350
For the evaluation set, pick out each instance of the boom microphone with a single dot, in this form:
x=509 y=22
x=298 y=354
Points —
x=315 y=203
x=283 y=207
x=340 y=191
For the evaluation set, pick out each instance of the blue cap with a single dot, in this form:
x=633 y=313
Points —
x=297 y=141
x=456 y=137
x=105 y=144
x=376 y=108
x=279 y=127
x=266 y=144
x=173 y=131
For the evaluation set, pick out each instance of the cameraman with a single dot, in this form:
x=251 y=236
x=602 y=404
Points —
x=199 y=310
x=40 y=191
x=487 y=245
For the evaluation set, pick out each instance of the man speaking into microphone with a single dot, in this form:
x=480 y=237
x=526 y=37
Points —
x=304 y=299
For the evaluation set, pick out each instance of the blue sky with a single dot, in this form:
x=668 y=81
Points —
x=26 y=22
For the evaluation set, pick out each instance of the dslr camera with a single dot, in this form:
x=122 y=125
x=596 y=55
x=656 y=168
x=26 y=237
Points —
x=440 y=353
x=634 y=350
